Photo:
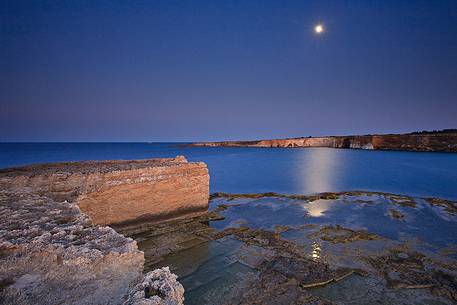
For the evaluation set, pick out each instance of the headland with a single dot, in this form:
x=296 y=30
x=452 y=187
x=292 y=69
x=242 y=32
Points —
x=439 y=141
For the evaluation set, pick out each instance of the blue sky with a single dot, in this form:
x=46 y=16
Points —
x=215 y=70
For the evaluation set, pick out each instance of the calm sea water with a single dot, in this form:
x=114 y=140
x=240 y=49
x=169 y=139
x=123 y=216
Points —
x=282 y=170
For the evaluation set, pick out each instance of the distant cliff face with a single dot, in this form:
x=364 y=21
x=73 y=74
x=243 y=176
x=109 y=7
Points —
x=119 y=191
x=410 y=142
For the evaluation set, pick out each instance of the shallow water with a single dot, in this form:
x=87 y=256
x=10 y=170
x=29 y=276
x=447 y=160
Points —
x=356 y=232
x=282 y=170
x=426 y=222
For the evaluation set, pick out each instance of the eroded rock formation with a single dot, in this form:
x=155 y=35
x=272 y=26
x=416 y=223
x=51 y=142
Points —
x=412 y=142
x=118 y=191
x=159 y=287
x=52 y=253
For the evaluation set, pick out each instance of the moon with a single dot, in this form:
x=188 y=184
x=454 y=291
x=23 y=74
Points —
x=319 y=29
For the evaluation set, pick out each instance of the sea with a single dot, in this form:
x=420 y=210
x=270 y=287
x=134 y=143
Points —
x=281 y=170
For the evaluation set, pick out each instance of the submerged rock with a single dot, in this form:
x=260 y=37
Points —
x=279 y=264
x=267 y=249
x=229 y=197
x=274 y=288
x=449 y=206
x=405 y=201
x=414 y=270
x=396 y=214
x=337 y=234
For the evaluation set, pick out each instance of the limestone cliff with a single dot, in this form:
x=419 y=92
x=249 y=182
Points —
x=118 y=191
x=51 y=253
x=446 y=142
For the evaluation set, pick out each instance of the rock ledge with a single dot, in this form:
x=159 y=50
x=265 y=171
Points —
x=52 y=253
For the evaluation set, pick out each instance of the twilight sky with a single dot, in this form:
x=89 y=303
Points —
x=214 y=70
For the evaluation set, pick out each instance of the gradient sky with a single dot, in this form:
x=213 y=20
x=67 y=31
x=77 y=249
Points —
x=213 y=70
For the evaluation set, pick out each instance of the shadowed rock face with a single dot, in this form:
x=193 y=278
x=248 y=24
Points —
x=118 y=191
x=51 y=253
x=446 y=142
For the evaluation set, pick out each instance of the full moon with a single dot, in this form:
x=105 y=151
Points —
x=319 y=29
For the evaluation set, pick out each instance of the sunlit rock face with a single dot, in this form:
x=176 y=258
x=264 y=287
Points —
x=119 y=191
x=52 y=253
x=411 y=142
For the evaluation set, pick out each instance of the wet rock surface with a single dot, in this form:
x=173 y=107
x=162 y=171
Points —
x=449 y=206
x=337 y=234
x=413 y=270
x=331 y=248
x=396 y=214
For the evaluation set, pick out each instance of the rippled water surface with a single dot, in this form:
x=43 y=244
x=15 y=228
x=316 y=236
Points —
x=282 y=170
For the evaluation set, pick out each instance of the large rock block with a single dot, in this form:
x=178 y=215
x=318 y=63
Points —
x=51 y=253
x=113 y=192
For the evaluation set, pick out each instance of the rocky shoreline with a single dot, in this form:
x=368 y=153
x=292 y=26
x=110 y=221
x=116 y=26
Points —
x=222 y=257
x=55 y=247
x=438 y=142
x=225 y=248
